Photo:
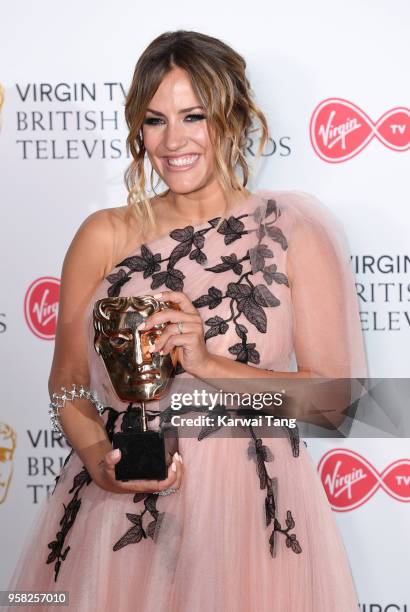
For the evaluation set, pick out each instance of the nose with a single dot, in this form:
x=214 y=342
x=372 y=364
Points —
x=174 y=136
x=138 y=351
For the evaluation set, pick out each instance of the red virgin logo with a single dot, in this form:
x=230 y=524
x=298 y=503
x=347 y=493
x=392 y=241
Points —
x=41 y=306
x=339 y=129
x=350 y=480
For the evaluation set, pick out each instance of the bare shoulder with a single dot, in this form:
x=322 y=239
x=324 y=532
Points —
x=96 y=238
x=127 y=231
x=118 y=229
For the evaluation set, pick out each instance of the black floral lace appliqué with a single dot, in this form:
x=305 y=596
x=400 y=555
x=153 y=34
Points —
x=246 y=300
x=262 y=454
x=57 y=553
x=247 y=304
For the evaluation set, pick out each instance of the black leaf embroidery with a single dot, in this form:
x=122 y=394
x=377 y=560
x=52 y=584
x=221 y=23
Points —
x=277 y=235
x=270 y=274
x=260 y=253
x=139 y=497
x=229 y=262
x=245 y=352
x=212 y=299
x=198 y=255
x=238 y=291
x=262 y=454
x=217 y=326
x=57 y=553
x=183 y=235
x=134 y=534
x=291 y=539
x=154 y=526
x=232 y=229
x=66 y=460
x=294 y=437
x=264 y=297
x=272 y=208
x=199 y=239
x=254 y=313
x=241 y=330
x=180 y=251
x=111 y=420
x=173 y=279
x=117 y=281
x=137 y=532
x=148 y=263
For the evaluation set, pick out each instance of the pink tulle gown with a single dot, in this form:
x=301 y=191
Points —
x=209 y=546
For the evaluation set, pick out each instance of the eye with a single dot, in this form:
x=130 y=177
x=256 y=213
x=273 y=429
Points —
x=191 y=118
x=195 y=117
x=151 y=336
x=152 y=120
x=119 y=342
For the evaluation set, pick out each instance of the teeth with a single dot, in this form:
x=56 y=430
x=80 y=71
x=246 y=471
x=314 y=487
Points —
x=182 y=161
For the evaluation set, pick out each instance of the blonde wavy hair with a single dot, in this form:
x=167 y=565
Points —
x=218 y=78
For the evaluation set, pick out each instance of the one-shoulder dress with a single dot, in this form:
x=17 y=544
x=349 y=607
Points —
x=250 y=529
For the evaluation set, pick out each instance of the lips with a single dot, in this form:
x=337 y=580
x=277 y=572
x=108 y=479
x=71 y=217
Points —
x=146 y=375
x=182 y=161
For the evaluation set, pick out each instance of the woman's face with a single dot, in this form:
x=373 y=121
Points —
x=176 y=135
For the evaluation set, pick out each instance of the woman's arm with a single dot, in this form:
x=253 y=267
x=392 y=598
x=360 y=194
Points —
x=84 y=267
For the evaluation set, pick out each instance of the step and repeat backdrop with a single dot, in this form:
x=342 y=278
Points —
x=332 y=80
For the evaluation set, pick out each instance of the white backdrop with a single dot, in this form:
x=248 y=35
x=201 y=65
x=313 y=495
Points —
x=62 y=156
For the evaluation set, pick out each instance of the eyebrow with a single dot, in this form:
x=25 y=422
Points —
x=183 y=110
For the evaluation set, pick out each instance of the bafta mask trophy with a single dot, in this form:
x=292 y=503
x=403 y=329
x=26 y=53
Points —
x=137 y=375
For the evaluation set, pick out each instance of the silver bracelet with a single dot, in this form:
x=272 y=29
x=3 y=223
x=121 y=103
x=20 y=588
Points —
x=167 y=491
x=58 y=402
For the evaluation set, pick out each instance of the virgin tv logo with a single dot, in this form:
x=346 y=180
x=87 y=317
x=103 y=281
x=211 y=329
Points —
x=339 y=129
x=41 y=306
x=350 y=480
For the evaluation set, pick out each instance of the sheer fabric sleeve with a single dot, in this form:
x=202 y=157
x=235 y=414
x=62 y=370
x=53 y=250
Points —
x=327 y=334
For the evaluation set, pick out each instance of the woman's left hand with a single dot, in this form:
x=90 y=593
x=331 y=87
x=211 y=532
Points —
x=192 y=352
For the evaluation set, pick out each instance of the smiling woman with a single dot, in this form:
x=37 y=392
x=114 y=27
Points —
x=192 y=119
x=240 y=523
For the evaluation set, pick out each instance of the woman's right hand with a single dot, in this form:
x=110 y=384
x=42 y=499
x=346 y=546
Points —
x=108 y=482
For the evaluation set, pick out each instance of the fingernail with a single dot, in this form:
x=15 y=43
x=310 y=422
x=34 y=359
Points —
x=173 y=467
x=180 y=458
x=156 y=295
x=141 y=325
x=116 y=453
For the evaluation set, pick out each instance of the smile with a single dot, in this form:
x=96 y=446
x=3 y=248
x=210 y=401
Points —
x=185 y=161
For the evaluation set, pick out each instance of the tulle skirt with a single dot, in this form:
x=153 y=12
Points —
x=205 y=548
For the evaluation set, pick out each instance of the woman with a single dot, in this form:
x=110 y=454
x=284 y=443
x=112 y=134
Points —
x=240 y=523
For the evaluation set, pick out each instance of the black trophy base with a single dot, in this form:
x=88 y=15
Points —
x=142 y=455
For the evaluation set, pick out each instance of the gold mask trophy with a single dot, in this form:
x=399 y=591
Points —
x=137 y=375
